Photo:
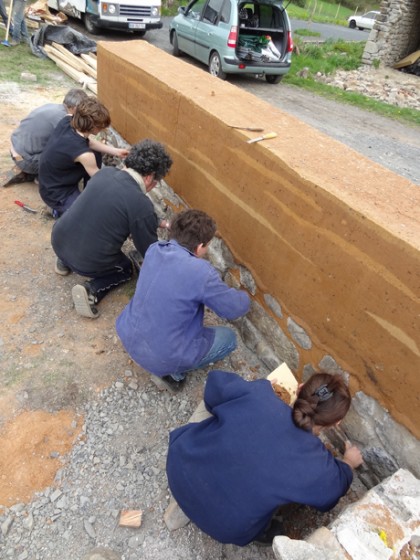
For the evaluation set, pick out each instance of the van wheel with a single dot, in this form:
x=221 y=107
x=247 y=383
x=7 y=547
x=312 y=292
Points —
x=215 y=66
x=273 y=78
x=90 y=23
x=352 y=24
x=174 y=43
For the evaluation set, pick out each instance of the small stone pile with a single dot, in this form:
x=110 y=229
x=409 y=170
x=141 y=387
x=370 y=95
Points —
x=383 y=84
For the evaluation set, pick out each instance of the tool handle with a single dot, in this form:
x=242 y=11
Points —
x=19 y=203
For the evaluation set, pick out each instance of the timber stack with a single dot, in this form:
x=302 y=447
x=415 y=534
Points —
x=82 y=69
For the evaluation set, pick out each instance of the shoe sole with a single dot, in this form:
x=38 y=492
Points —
x=13 y=177
x=81 y=302
x=162 y=385
x=60 y=271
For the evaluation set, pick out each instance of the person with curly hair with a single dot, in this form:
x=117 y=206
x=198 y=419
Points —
x=72 y=156
x=231 y=472
x=88 y=238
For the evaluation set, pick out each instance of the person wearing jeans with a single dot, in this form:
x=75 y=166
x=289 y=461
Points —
x=162 y=326
x=20 y=31
x=4 y=16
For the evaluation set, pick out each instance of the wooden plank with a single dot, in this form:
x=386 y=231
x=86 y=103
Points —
x=284 y=383
x=93 y=87
x=130 y=518
x=70 y=57
x=90 y=60
x=77 y=76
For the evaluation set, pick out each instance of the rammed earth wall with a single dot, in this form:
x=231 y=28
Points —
x=326 y=241
x=396 y=32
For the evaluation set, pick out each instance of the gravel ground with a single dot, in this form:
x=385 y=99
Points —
x=117 y=464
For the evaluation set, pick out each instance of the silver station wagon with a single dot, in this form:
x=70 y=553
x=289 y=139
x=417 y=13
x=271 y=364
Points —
x=235 y=37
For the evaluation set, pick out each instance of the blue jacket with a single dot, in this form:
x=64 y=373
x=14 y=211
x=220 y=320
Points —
x=231 y=472
x=162 y=326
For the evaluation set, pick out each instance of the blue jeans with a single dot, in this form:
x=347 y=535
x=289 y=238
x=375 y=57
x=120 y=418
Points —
x=4 y=16
x=19 y=26
x=224 y=343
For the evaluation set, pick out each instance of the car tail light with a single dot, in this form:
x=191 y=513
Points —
x=233 y=36
x=242 y=66
x=289 y=42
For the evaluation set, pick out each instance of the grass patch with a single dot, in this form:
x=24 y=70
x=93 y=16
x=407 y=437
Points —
x=15 y=60
x=329 y=57
x=306 y=33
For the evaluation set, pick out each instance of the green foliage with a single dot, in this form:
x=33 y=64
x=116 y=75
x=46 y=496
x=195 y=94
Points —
x=306 y=33
x=15 y=60
x=329 y=57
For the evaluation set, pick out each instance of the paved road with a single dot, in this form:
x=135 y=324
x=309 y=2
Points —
x=329 y=31
x=393 y=145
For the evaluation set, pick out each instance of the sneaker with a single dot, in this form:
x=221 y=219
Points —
x=60 y=268
x=14 y=177
x=275 y=529
x=84 y=301
x=167 y=383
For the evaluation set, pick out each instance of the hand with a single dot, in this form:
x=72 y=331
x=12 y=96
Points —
x=165 y=224
x=352 y=456
x=121 y=152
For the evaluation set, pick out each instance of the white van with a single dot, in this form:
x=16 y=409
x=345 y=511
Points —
x=128 y=15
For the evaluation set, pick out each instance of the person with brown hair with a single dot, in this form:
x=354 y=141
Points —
x=231 y=472
x=71 y=156
x=162 y=326
x=29 y=139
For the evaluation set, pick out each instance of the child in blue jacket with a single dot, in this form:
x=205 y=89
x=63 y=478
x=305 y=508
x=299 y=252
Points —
x=162 y=326
x=232 y=471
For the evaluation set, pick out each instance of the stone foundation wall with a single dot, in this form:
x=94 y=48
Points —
x=396 y=32
x=326 y=241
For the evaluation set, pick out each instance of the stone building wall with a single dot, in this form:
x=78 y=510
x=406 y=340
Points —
x=326 y=241
x=396 y=32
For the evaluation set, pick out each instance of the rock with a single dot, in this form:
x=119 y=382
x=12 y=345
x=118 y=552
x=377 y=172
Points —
x=89 y=529
x=5 y=526
x=102 y=553
x=28 y=77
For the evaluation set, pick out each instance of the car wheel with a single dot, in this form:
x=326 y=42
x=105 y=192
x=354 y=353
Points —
x=215 y=66
x=273 y=78
x=174 y=43
x=140 y=33
x=90 y=23
x=352 y=24
x=361 y=28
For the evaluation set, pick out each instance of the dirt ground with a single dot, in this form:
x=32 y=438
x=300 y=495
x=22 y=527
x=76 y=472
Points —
x=51 y=358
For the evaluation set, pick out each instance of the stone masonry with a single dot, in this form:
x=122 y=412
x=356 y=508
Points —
x=396 y=32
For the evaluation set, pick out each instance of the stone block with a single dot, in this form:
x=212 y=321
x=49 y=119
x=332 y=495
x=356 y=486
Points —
x=220 y=256
x=274 y=305
x=291 y=549
x=383 y=522
x=324 y=538
x=274 y=336
x=368 y=423
x=299 y=334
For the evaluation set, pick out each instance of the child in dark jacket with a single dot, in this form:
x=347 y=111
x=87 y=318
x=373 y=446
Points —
x=232 y=471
